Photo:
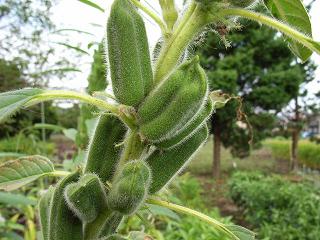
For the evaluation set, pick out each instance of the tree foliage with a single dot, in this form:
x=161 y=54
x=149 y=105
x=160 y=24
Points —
x=260 y=68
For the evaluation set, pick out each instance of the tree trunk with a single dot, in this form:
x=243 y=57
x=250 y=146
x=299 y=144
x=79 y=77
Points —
x=294 y=149
x=216 y=153
x=295 y=138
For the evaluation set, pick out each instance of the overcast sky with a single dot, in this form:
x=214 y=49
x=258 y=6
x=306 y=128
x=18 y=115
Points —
x=74 y=14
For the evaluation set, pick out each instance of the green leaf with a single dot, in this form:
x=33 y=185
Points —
x=16 y=199
x=91 y=4
x=17 y=173
x=73 y=47
x=70 y=133
x=241 y=232
x=52 y=127
x=10 y=102
x=11 y=155
x=293 y=13
x=72 y=30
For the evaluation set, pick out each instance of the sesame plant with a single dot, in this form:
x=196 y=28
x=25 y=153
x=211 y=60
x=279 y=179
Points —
x=157 y=122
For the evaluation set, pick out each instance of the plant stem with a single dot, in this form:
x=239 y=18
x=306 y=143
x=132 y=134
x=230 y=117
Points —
x=193 y=22
x=152 y=15
x=59 y=173
x=61 y=94
x=271 y=22
x=193 y=213
x=133 y=148
x=93 y=229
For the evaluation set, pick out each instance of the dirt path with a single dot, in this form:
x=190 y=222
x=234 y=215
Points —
x=216 y=196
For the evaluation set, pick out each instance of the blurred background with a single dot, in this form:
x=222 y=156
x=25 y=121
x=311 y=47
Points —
x=260 y=167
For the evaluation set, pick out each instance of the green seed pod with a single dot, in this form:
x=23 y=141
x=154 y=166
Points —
x=129 y=187
x=44 y=212
x=166 y=164
x=171 y=105
x=169 y=12
x=189 y=129
x=103 y=155
x=86 y=198
x=129 y=57
x=64 y=225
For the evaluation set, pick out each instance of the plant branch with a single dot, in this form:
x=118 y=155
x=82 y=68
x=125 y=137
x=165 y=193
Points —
x=59 y=173
x=193 y=213
x=61 y=94
x=273 y=23
x=152 y=15
x=193 y=22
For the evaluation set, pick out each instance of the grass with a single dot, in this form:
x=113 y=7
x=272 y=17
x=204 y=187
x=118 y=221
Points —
x=202 y=163
x=308 y=152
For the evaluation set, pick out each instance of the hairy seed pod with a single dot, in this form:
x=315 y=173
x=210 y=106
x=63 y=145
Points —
x=129 y=57
x=166 y=164
x=64 y=225
x=87 y=197
x=103 y=155
x=44 y=212
x=189 y=129
x=169 y=12
x=129 y=187
x=173 y=103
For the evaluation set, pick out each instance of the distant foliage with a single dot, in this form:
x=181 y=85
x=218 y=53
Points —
x=308 y=152
x=278 y=208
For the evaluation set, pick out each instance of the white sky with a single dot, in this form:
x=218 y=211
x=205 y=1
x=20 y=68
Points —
x=74 y=14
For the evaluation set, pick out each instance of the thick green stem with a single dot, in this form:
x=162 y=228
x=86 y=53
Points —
x=133 y=148
x=193 y=213
x=192 y=24
x=273 y=23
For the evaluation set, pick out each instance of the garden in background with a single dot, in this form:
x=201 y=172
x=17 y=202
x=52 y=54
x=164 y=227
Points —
x=259 y=167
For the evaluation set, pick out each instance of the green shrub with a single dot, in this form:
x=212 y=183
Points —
x=308 y=152
x=27 y=145
x=278 y=208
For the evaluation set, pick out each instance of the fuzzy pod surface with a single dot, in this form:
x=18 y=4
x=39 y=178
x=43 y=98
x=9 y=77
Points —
x=103 y=154
x=44 y=212
x=129 y=187
x=129 y=57
x=174 y=102
x=87 y=197
x=64 y=225
x=189 y=129
x=165 y=164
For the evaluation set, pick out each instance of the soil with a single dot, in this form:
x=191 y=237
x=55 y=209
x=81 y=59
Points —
x=216 y=196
